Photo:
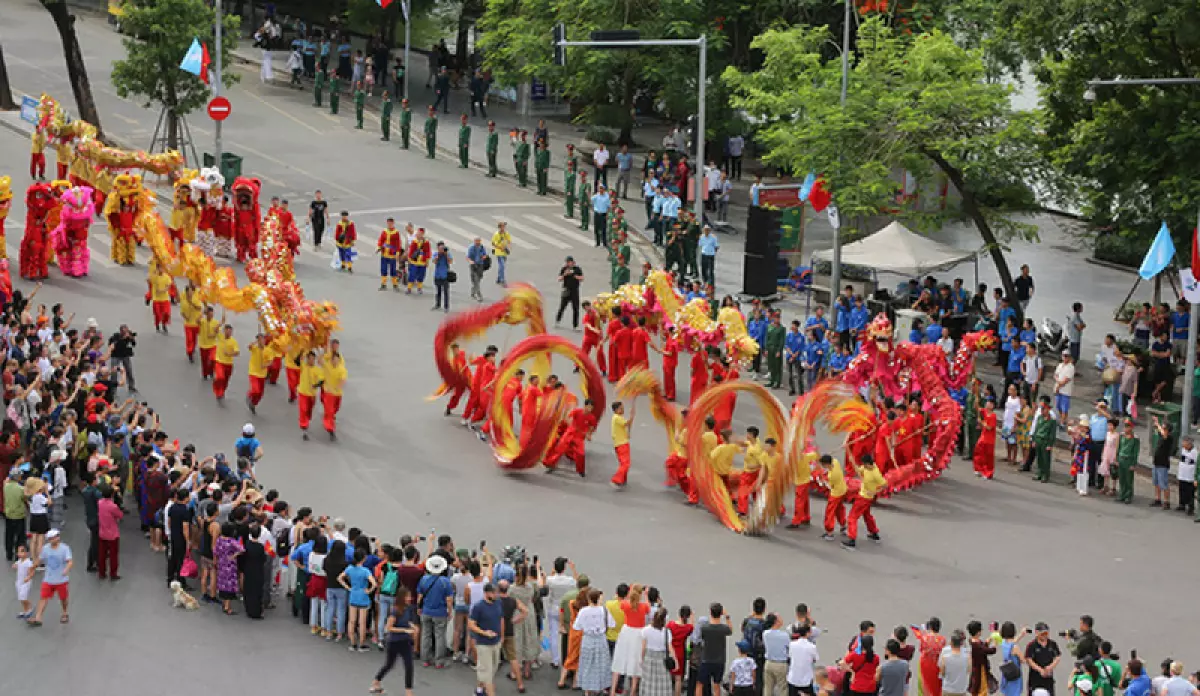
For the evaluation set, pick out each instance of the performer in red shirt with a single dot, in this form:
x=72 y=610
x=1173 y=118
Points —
x=460 y=365
x=624 y=342
x=670 y=361
x=593 y=335
x=614 y=361
x=723 y=412
x=640 y=345
x=530 y=396
x=699 y=374
x=581 y=423
x=481 y=380
x=885 y=446
x=507 y=398
x=915 y=421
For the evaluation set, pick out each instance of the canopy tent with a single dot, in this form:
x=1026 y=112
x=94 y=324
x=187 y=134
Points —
x=897 y=249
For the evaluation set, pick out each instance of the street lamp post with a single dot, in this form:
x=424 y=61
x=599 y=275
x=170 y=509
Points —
x=216 y=84
x=835 y=272
x=1193 y=317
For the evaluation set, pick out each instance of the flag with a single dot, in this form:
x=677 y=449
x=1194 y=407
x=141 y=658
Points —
x=404 y=7
x=1195 y=250
x=819 y=197
x=1160 y=254
x=383 y=3
x=807 y=187
x=196 y=60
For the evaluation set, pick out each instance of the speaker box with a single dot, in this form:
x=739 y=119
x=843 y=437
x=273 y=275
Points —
x=764 y=228
x=758 y=274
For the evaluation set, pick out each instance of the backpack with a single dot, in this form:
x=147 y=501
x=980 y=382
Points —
x=391 y=581
x=752 y=633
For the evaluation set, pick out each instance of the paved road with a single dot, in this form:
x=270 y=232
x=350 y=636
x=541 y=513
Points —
x=959 y=548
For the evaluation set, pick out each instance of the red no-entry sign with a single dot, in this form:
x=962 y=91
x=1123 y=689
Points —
x=219 y=109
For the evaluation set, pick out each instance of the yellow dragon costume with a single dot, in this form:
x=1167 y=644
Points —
x=122 y=208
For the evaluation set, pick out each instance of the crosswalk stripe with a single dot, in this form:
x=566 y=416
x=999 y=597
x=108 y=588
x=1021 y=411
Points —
x=489 y=229
x=560 y=229
x=522 y=230
x=441 y=224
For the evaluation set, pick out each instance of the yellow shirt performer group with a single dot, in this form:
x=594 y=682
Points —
x=872 y=482
x=208 y=331
x=191 y=308
x=261 y=356
x=227 y=349
x=333 y=368
x=311 y=377
x=620 y=438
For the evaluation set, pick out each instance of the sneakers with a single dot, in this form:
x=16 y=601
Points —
x=827 y=536
x=848 y=544
x=875 y=538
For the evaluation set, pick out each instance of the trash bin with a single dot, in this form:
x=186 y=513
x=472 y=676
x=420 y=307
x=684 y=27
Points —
x=1167 y=412
x=231 y=165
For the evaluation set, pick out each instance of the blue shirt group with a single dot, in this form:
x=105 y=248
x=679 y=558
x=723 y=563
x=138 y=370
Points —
x=709 y=245
x=434 y=590
x=441 y=264
x=488 y=617
x=814 y=353
x=793 y=345
x=959 y=299
x=860 y=316
x=1179 y=325
x=757 y=328
x=1028 y=335
x=601 y=203
x=933 y=332
x=360 y=580
x=819 y=324
x=476 y=253
x=1014 y=360
x=670 y=206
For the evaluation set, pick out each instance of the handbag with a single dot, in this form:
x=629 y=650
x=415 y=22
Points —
x=669 y=659
x=1010 y=670
x=451 y=277
x=189 y=568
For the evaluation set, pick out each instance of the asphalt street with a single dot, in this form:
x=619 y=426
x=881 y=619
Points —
x=958 y=548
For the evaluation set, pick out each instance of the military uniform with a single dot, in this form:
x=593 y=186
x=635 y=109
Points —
x=430 y=135
x=1127 y=456
x=493 y=148
x=541 y=165
x=674 y=254
x=318 y=88
x=385 y=117
x=585 y=203
x=334 y=95
x=1044 y=434
x=775 y=340
x=691 y=241
x=405 y=124
x=360 y=105
x=620 y=276
x=569 y=191
x=464 y=145
x=521 y=162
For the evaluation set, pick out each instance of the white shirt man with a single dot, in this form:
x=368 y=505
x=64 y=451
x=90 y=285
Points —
x=712 y=175
x=1187 y=466
x=600 y=157
x=803 y=657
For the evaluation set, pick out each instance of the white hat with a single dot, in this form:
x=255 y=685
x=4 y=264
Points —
x=436 y=565
x=58 y=455
x=92 y=323
x=1084 y=684
x=53 y=534
x=248 y=429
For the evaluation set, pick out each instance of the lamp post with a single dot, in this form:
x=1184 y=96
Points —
x=216 y=84
x=835 y=272
x=1193 y=317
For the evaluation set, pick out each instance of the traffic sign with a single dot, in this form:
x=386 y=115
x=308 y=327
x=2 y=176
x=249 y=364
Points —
x=219 y=109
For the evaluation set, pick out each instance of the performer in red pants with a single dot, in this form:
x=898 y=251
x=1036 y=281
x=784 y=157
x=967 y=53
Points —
x=834 y=511
x=614 y=363
x=460 y=365
x=670 y=362
x=985 y=446
x=699 y=374
x=593 y=336
x=581 y=422
x=620 y=438
x=803 y=481
x=227 y=350
x=871 y=483
x=311 y=377
x=481 y=380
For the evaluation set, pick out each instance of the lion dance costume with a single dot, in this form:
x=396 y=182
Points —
x=185 y=213
x=122 y=209
x=70 y=237
x=39 y=200
x=5 y=206
x=247 y=220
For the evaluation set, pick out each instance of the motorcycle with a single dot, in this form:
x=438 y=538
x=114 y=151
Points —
x=1051 y=338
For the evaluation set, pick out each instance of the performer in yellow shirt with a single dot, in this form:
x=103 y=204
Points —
x=37 y=155
x=261 y=355
x=64 y=155
x=835 y=477
x=802 y=481
x=752 y=464
x=677 y=463
x=227 y=350
x=620 y=438
x=872 y=483
x=334 y=368
x=209 y=332
x=295 y=361
x=160 y=298
x=191 y=308
x=311 y=376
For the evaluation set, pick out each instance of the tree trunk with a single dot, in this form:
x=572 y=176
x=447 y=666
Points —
x=6 y=98
x=971 y=206
x=64 y=21
x=626 y=136
x=460 y=39
x=172 y=130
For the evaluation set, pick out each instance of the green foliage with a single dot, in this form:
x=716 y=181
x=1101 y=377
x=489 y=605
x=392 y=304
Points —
x=600 y=134
x=1125 y=249
x=150 y=68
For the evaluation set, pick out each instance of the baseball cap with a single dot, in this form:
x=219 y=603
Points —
x=52 y=534
x=1041 y=626
x=743 y=645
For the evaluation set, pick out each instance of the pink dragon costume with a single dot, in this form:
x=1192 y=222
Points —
x=70 y=238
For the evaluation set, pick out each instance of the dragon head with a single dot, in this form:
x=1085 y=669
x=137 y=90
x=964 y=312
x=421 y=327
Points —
x=183 y=186
x=5 y=195
x=78 y=203
x=245 y=193
x=127 y=185
x=59 y=186
x=879 y=333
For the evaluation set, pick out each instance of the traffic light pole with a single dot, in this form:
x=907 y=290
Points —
x=702 y=44
x=216 y=80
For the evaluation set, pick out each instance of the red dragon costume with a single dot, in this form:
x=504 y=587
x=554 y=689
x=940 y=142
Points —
x=247 y=220
x=39 y=199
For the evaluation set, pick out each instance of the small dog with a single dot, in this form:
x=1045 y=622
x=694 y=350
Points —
x=182 y=599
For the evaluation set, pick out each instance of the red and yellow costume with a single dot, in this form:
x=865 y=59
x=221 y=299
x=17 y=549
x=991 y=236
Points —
x=311 y=377
x=509 y=395
x=160 y=299
x=580 y=424
x=227 y=349
x=185 y=212
x=885 y=444
x=677 y=463
x=37 y=155
x=803 y=482
x=620 y=438
x=209 y=332
x=530 y=396
x=5 y=206
x=65 y=156
x=344 y=237
x=419 y=252
x=191 y=308
x=834 y=510
x=670 y=362
x=122 y=208
x=985 y=448
x=753 y=462
x=460 y=365
x=614 y=359
x=293 y=369
x=639 y=348
x=699 y=375
x=39 y=200
x=593 y=337
x=481 y=387
x=247 y=221
x=334 y=373
x=260 y=361
x=390 y=248
x=870 y=483
x=70 y=236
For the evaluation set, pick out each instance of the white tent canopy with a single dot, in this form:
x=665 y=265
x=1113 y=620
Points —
x=897 y=249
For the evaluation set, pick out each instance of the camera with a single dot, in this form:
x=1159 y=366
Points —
x=1069 y=634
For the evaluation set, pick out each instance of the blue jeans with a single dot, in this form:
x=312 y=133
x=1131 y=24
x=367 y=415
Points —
x=316 y=614
x=501 y=263
x=443 y=291
x=1116 y=401
x=385 y=608
x=336 y=601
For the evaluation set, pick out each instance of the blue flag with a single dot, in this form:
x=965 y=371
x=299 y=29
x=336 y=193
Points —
x=807 y=187
x=1159 y=256
x=193 y=61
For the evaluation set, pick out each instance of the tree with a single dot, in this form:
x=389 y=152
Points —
x=64 y=21
x=919 y=103
x=6 y=98
x=1131 y=157
x=150 y=68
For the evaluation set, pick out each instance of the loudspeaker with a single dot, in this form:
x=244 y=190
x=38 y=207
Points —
x=764 y=228
x=758 y=274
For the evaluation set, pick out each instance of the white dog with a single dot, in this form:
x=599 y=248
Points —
x=182 y=599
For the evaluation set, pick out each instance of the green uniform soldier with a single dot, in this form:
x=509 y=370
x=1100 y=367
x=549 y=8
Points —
x=541 y=165
x=318 y=88
x=335 y=94
x=691 y=242
x=585 y=203
x=385 y=116
x=569 y=190
x=405 y=123
x=674 y=251
x=1128 y=448
x=572 y=159
x=775 y=340
x=619 y=250
x=360 y=105
x=431 y=133
x=521 y=160
x=971 y=419
x=620 y=274
x=493 y=148
x=1044 y=435
x=464 y=142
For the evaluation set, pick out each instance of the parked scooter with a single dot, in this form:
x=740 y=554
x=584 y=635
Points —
x=1051 y=338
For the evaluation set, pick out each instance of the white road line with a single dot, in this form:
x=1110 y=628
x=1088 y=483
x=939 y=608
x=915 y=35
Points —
x=453 y=206
x=520 y=229
x=561 y=229
x=438 y=225
x=489 y=229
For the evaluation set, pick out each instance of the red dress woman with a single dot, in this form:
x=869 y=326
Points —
x=931 y=644
x=985 y=448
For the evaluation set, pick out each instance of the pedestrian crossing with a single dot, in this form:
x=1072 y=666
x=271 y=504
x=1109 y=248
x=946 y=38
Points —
x=530 y=232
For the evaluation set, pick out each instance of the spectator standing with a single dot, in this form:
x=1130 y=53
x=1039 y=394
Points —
x=56 y=556
x=122 y=343
x=803 y=659
x=624 y=171
x=709 y=246
x=1042 y=655
x=1010 y=654
x=1075 y=327
x=399 y=631
x=893 y=673
x=435 y=597
x=1032 y=371
x=955 y=667
x=1163 y=372
x=501 y=246
x=441 y=88
x=980 y=650
x=1179 y=330
x=441 y=277
x=595 y=662
x=15 y=512
x=863 y=664
x=109 y=516
x=569 y=277
x=479 y=90
x=1064 y=386
x=318 y=217
x=656 y=680
x=735 y=146
x=599 y=162
x=713 y=635
x=712 y=184
x=1023 y=285
x=479 y=262
x=726 y=187
x=486 y=624
x=1162 y=464
x=601 y=203
x=1187 y=476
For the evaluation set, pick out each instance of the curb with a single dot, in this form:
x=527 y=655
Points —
x=1110 y=265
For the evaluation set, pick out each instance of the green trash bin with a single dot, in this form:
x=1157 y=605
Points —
x=1167 y=412
x=231 y=165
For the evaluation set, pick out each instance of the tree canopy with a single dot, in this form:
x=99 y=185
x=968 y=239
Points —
x=918 y=102
x=150 y=68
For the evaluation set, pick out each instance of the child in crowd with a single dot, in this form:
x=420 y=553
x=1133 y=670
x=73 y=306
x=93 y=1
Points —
x=23 y=567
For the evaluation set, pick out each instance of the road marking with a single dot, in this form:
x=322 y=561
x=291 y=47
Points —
x=489 y=229
x=126 y=119
x=452 y=229
x=563 y=230
x=452 y=206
